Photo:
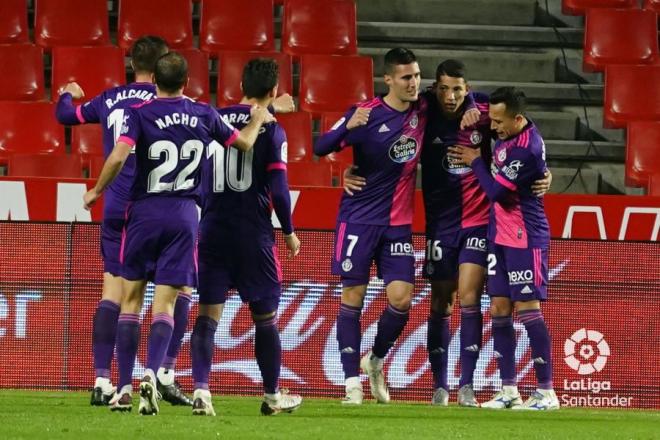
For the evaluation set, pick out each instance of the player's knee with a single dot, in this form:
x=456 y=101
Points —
x=353 y=296
x=500 y=307
x=469 y=297
x=213 y=311
x=527 y=305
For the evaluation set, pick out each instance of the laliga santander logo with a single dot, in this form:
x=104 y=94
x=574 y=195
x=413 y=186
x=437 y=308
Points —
x=586 y=351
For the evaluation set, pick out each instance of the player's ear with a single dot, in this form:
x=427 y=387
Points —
x=273 y=92
x=388 y=79
x=241 y=85
x=153 y=78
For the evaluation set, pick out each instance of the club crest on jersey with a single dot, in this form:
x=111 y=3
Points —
x=403 y=150
x=414 y=121
x=347 y=265
x=501 y=155
x=475 y=137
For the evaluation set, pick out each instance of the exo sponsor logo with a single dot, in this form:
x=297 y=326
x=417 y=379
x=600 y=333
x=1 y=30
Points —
x=520 y=277
x=401 y=249
x=403 y=150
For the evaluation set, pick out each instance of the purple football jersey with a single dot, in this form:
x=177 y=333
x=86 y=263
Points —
x=519 y=220
x=108 y=109
x=453 y=198
x=236 y=197
x=171 y=136
x=386 y=152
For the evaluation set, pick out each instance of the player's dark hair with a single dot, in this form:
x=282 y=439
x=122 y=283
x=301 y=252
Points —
x=398 y=56
x=146 y=51
x=513 y=98
x=260 y=75
x=452 y=68
x=171 y=72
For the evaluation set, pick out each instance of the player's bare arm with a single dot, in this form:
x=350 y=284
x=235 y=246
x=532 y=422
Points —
x=353 y=182
x=359 y=118
x=111 y=168
x=248 y=135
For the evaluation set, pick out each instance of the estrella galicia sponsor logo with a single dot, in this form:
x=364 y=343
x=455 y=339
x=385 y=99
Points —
x=520 y=277
x=404 y=149
x=476 y=244
x=402 y=249
x=453 y=166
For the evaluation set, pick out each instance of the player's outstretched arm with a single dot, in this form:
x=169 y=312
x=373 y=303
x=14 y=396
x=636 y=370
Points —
x=111 y=168
x=248 y=135
x=65 y=111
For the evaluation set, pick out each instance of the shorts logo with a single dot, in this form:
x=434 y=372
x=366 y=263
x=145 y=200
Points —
x=501 y=155
x=401 y=249
x=476 y=137
x=526 y=289
x=347 y=265
x=453 y=166
x=520 y=277
x=403 y=150
x=414 y=121
x=476 y=244
x=586 y=351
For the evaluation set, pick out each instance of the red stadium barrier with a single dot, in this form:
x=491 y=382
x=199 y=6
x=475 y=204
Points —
x=604 y=297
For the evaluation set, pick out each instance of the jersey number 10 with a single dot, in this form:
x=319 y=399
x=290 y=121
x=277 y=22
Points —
x=229 y=172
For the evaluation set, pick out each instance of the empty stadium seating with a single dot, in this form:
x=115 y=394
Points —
x=632 y=93
x=343 y=157
x=29 y=127
x=80 y=23
x=642 y=152
x=230 y=72
x=653 y=186
x=313 y=27
x=652 y=5
x=171 y=21
x=94 y=68
x=198 y=74
x=298 y=128
x=236 y=25
x=13 y=22
x=619 y=36
x=94 y=166
x=578 y=7
x=87 y=140
x=333 y=83
x=309 y=174
x=22 y=72
x=45 y=165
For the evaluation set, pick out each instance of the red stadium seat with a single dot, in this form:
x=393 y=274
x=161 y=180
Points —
x=30 y=127
x=94 y=68
x=230 y=72
x=236 y=25
x=171 y=20
x=94 y=166
x=22 y=72
x=298 y=128
x=578 y=7
x=652 y=5
x=87 y=140
x=80 y=23
x=632 y=93
x=344 y=157
x=332 y=83
x=619 y=36
x=198 y=74
x=642 y=152
x=45 y=165
x=653 y=186
x=314 y=27
x=309 y=174
x=13 y=22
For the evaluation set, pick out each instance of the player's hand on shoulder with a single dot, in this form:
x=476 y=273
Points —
x=470 y=118
x=73 y=88
x=542 y=186
x=292 y=244
x=360 y=117
x=353 y=182
x=90 y=198
x=284 y=104
x=261 y=115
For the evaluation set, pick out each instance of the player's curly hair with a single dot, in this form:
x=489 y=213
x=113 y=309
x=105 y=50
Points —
x=260 y=76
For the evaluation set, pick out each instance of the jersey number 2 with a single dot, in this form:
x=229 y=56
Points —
x=190 y=149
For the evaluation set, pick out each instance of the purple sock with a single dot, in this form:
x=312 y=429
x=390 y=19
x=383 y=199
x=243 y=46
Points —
x=181 y=309
x=349 y=338
x=390 y=325
x=160 y=334
x=437 y=344
x=104 y=335
x=268 y=351
x=471 y=331
x=504 y=342
x=539 y=341
x=201 y=350
x=128 y=338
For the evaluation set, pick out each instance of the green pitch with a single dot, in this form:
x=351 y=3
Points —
x=58 y=415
